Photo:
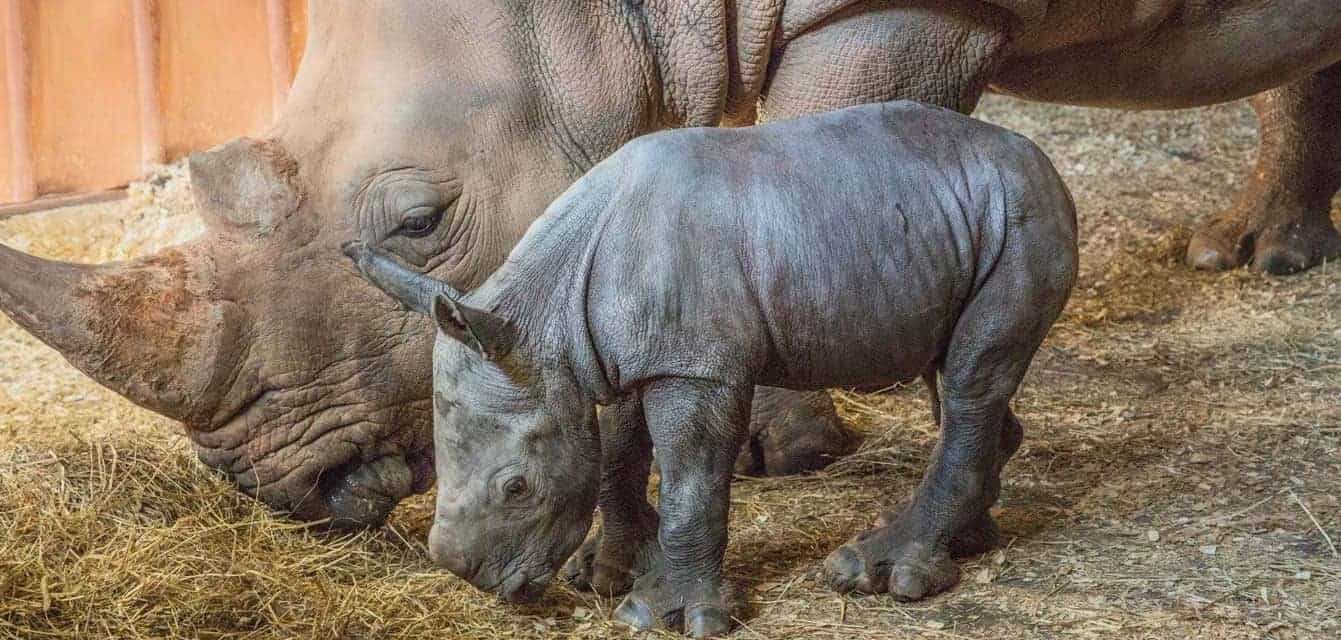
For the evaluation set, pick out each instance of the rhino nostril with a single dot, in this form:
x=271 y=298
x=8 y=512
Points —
x=421 y=469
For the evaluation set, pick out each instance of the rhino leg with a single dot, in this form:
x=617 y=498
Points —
x=697 y=427
x=793 y=432
x=880 y=51
x=910 y=555
x=858 y=566
x=625 y=547
x=1281 y=223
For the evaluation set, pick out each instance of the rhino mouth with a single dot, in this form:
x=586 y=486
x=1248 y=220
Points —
x=362 y=494
x=345 y=466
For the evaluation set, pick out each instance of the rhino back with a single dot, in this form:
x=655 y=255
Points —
x=822 y=251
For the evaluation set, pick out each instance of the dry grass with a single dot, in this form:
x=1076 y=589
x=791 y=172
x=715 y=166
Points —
x=1179 y=477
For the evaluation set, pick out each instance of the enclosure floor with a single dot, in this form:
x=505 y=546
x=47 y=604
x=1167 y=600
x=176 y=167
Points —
x=1182 y=460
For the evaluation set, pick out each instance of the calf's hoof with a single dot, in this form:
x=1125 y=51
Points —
x=579 y=568
x=793 y=432
x=707 y=620
x=702 y=611
x=978 y=537
x=883 y=560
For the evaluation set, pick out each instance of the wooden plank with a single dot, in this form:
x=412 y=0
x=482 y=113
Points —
x=86 y=123
x=146 y=82
x=56 y=202
x=297 y=33
x=281 y=70
x=18 y=99
x=215 y=79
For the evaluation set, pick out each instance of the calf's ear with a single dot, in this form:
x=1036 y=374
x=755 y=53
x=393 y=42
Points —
x=482 y=331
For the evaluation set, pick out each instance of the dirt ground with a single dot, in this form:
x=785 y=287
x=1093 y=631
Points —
x=1180 y=474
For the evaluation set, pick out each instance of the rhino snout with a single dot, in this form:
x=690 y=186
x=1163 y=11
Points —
x=512 y=580
x=445 y=550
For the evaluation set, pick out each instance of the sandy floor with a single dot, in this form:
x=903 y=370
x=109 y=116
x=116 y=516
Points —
x=1180 y=473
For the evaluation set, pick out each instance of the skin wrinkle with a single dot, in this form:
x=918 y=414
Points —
x=299 y=438
x=308 y=430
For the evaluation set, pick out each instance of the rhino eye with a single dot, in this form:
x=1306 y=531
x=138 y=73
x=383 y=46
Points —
x=515 y=487
x=420 y=221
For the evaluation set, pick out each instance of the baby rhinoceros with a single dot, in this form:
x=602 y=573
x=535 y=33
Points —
x=861 y=247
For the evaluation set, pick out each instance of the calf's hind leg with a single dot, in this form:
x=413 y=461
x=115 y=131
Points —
x=981 y=533
x=909 y=555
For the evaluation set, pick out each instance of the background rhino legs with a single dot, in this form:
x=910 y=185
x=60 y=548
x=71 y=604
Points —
x=793 y=432
x=875 y=52
x=1281 y=223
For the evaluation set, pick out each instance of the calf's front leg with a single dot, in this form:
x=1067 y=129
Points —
x=697 y=427
x=626 y=546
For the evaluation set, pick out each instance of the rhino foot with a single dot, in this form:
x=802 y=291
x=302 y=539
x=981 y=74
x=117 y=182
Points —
x=1281 y=223
x=793 y=432
x=890 y=559
x=1288 y=240
x=699 y=611
x=610 y=565
x=979 y=536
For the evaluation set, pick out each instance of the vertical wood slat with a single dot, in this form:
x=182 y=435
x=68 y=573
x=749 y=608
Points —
x=281 y=67
x=23 y=181
x=145 y=18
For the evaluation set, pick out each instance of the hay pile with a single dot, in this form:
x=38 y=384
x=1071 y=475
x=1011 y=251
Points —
x=1179 y=477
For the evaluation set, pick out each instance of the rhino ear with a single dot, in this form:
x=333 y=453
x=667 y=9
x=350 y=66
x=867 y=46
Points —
x=246 y=184
x=482 y=331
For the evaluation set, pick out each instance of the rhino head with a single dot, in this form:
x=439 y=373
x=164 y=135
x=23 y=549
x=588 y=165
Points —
x=435 y=131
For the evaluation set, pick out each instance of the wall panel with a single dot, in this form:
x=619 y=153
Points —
x=85 y=115
x=215 y=63
x=93 y=123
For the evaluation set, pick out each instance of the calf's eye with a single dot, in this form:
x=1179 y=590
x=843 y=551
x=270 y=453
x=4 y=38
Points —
x=515 y=487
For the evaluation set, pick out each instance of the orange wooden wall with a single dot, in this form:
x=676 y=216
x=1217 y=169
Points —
x=110 y=87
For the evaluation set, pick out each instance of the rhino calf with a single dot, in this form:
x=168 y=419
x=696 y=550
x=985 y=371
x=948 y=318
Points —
x=865 y=246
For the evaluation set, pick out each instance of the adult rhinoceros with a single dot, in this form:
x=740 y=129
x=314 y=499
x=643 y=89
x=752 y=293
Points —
x=439 y=130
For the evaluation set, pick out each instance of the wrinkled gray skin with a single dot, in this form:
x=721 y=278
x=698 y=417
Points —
x=862 y=247
x=439 y=130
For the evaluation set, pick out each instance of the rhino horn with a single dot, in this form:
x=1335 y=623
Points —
x=147 y=329
x=245 y=184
